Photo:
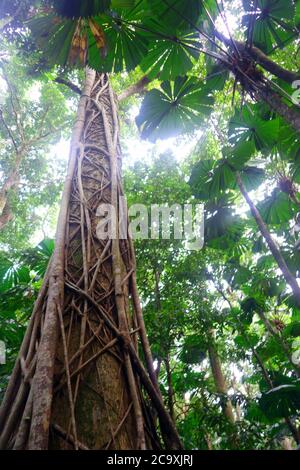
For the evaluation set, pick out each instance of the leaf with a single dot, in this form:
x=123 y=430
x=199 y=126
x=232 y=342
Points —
x=281 y=401
x=54 y=36
x=292 y=259
x=200 y=180
x=209 y=179
x=46 y=247
x=179 y=107
x=292 y=330
x=272 y=287
x=296 y=170
x=192 y=351
x=252 y=177
x=171 y=53
x=12 y=273
x=277 y=208
x=241 y=276
x=176 y=12
x=119 y=4
x=251 y=305
x=81 y=9
x=223 y=178
x=241 y=153
x=217 y=76
x=270 y=350
x=247 y=126
x=289 y=145
x=125 y=45
x=254 y=413
x=111 y=44
x=98 y=34
x=42 y=255
x=297 y=13
x=220 y=221
x=273 y=24
x=78 y=51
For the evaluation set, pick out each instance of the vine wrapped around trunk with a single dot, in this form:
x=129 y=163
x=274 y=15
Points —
x=78 y=380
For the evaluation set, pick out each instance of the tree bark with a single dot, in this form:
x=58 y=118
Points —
x=78 y=375
x=290 y=114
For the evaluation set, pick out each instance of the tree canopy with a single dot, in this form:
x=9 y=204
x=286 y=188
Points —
x=222 y=77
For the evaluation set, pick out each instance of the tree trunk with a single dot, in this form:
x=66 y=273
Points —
x=290 y=114
x=290 y=279
x=219 y=379
x=222 y=389
x=286 y=444
x=77 y=381
x=10 y=184
x=171 y=393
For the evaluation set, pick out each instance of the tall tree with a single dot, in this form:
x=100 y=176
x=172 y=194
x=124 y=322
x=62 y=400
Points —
x=85 y=297
x=72 y=385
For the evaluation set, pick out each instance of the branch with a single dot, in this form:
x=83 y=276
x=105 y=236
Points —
x=272 y=67
x=9 y=132
x=69 y=84
x=262 y=59
x=136 y=88
x=68 y=437
x=13 y=96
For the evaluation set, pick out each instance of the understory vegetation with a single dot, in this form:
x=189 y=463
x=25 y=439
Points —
x=147 y=343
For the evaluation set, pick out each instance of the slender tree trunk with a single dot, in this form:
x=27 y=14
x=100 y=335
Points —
x=219 y=379
x=77 y=381
x=208 y=442
x=222 y=389
x=286 y=444
x=293 y=429
x=290 y=279
x=10 y=183
x=166 y=359
x=6 y=214
x=170 y=388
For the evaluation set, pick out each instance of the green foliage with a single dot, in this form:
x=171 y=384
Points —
x=281 y=401
x=231 y=295
x=178 y=107
x=273 y=24
x=126 y=46
x=248 y=126
x=192 y=352
x=167 y=58
x=20 y=281
x=277 y=208
x=79 y=9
